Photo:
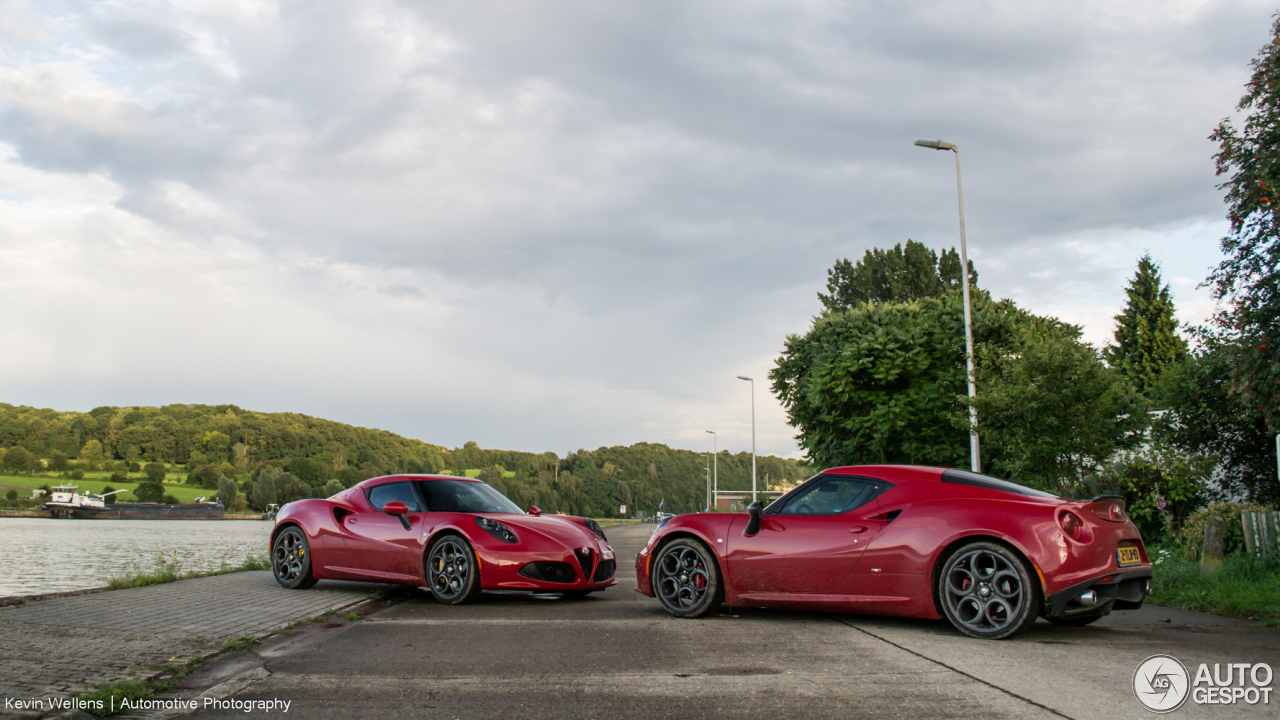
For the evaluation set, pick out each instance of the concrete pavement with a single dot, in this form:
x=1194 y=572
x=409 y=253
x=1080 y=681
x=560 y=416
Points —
x=618 y=655
x=70 y=644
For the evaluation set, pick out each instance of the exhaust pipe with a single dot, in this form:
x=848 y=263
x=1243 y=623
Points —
x=1088 y=597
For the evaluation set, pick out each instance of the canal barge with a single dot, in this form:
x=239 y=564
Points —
x=66 y=503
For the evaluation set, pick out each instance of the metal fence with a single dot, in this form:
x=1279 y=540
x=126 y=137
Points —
x=1261 y=532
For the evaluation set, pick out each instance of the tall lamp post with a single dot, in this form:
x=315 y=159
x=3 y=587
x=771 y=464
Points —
x=708 y=459
x=753 y=435
x=975 y=455
x=715 y=469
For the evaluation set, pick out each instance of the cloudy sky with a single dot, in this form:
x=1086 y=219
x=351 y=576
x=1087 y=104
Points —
x=553 y=225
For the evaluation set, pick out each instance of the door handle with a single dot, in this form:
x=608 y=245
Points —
x=860 y=528
x=351 y=520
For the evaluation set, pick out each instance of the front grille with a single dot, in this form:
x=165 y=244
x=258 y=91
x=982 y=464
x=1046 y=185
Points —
x=585 y=561
x=556 y=572
x=604 y=571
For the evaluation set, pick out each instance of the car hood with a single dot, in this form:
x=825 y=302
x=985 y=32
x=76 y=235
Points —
x=569 y=531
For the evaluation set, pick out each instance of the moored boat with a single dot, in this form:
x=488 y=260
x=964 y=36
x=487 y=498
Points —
x=65 y=502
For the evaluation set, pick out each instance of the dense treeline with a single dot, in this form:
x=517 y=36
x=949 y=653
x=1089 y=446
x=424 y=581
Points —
x=277 y=457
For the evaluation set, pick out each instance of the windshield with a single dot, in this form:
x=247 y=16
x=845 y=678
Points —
x=465 y=497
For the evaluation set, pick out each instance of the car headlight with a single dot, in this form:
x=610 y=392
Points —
x=497 y=529
x=594 y=527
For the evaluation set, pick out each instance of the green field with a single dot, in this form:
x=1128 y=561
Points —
x=92 y=484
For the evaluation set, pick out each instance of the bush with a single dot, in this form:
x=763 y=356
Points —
x=119 y=476
x=171 y=500
x=134 y=466
x=77 y=474
x=155 y=472
x=206 y=477
x=333 y=487
x=149 y=492
x=1192 y=535
x=108 y=499
x=11 y=496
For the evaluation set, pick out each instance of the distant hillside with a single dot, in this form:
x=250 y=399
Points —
x=214 y=440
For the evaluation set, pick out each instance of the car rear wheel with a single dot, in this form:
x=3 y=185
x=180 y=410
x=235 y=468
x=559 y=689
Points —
x=452 y=571
x=291 y=559
x=987 y=591
x=686 y=578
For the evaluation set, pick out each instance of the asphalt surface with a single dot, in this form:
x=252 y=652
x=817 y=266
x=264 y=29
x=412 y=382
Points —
x=617 y=654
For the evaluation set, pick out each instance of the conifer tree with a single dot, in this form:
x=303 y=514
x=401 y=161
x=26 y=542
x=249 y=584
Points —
x=1147 y=341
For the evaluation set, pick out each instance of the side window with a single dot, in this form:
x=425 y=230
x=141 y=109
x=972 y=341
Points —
x=380 y=495
x=832 y=495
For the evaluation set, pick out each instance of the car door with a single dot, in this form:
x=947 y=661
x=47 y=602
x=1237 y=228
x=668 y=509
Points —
x=379 y=543
x=810 y=544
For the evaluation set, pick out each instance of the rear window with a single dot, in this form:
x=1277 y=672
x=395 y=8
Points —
x=964 y=477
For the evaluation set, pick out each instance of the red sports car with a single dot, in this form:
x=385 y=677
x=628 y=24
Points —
x=453 y=535
x=989 y=555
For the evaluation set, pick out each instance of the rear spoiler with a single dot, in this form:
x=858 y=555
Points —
x=1108 y=507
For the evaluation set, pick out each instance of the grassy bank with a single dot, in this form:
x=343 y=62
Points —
x=169 y=568
x=94 y=483
x=1245 y=587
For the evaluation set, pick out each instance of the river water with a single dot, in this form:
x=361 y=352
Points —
x=41 y=555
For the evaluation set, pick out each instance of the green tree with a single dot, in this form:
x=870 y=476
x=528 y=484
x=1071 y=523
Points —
x=17 y=459
x=1250 y=275
x=1049 y=411
x=57 y=460
x=11 y=496
x=108 y=499
x=1206 y=416
x=290 y=488
x=880 y=383
x=155 y=472
x=896 y=275
x=264 y=489
x=333 y=487
x=227 y=491
x=91 y=454
x=1147 y=342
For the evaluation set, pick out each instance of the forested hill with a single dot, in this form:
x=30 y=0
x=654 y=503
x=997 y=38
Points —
x=207 y=442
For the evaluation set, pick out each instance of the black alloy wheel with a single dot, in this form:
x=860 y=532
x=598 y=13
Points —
x=291 y=559
x=452 y=571
x=686 y=578
x=987 y=592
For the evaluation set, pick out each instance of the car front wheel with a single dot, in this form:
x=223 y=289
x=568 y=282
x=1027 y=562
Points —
x=686 y=578
x=291 y=559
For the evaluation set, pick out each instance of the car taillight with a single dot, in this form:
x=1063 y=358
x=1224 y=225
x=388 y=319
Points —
x=1072 y=525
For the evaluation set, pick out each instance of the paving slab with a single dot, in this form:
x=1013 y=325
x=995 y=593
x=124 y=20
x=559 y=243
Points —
x=69 y=644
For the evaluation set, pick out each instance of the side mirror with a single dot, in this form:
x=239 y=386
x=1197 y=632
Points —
x=399 y=509
x=753 y=523
x=534 y=511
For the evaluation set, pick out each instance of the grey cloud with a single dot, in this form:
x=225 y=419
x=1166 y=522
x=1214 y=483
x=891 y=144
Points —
x=641 y=196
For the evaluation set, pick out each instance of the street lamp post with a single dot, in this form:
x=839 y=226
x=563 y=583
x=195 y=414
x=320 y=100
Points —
x=975 y=455
x=708 y=459
x=753 y=435
x=715 y=469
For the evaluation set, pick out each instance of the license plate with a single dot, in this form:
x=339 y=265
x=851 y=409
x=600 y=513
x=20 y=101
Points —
x=1128 y=556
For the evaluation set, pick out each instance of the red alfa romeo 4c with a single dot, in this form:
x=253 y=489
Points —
x=989 y=555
